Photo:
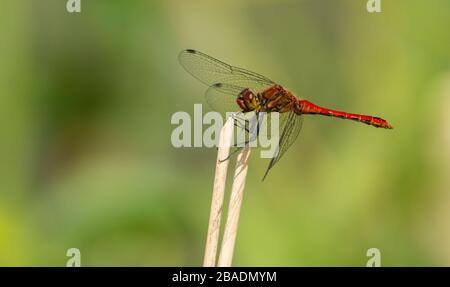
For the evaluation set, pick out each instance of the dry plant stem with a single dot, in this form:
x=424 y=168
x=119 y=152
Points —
x=215 y=216
x=234 y=208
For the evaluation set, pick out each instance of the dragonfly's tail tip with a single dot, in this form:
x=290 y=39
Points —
x=385 y=124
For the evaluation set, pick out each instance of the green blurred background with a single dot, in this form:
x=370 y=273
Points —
x=86 y=158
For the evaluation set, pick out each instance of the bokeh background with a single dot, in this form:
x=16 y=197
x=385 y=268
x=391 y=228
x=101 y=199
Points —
x=86 y=158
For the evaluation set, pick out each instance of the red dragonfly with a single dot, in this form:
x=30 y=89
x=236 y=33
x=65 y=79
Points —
x=232 y=88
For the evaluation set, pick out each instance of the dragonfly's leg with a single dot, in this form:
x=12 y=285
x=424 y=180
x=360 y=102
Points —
x=253 y=136
x=231 y=154
x=241 y=127
x=239 y=146
x=239 y=124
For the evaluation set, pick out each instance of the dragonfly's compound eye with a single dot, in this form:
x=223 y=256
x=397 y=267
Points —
x=241 y=103
x=247 y=100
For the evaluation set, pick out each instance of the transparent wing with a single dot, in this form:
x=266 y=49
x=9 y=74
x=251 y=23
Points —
x=290 y=126
x=221 y=97
x=211 y=71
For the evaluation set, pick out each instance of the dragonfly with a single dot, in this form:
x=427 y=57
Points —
x=232 y=88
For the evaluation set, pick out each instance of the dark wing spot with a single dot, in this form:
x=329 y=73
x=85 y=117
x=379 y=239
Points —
x=217 y=85
x=191 y=51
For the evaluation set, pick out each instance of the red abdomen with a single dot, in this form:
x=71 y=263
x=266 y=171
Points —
x=307 y=107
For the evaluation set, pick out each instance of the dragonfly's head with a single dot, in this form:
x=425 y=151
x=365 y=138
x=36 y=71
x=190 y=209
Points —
x=247 y=101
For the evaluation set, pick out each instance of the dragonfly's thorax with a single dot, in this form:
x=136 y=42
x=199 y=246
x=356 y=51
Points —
x=273 y=99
